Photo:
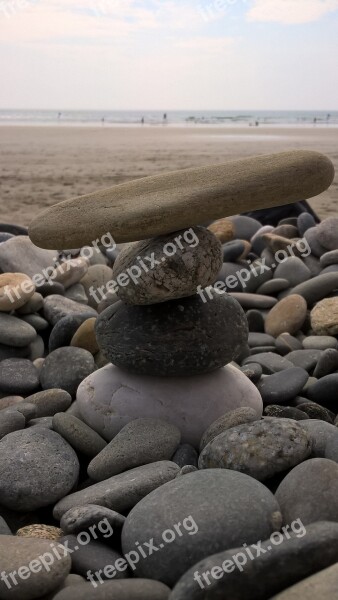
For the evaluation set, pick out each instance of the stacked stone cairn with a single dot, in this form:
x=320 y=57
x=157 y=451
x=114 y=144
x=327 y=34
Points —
x=178 y=422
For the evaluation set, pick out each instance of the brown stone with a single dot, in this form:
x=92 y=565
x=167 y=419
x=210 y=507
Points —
x=287 y=316
x=169 y=202
x=223 y=229
x=85 y=336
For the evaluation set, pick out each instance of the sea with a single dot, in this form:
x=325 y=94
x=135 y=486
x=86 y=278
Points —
x=177 y=118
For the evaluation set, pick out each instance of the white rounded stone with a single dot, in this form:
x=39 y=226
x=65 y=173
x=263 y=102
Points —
x=110 y=398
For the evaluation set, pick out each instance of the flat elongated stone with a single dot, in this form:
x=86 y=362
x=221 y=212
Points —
x=163 y=203
x=122 y=491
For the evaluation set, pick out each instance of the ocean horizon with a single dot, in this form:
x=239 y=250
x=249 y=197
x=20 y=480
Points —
x=171 y=118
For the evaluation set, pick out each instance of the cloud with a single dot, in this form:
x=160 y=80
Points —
x=289 y=12
x=23 y=21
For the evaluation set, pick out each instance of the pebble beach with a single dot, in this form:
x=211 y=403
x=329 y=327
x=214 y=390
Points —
x=169 y=367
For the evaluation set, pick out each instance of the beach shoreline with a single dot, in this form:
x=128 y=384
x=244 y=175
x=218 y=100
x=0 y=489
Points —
x=43 y=165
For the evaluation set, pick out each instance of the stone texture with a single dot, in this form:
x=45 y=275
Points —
x=94 y=556
x=324 y=317
x=172 y=201
x=10 y=420
x=79 y=435
x=66 y=368
x=125 y=589
x=194 y=260
x=49 y=402
x=231 y=419
x=19 y=255
x=43 y=532
x=216 y=501
x=56 y=307
x=293 y=270
x=15 y=290
x=70 y=271
x=64 y=330
x=85 y=337
x=145 y=339
x=18 y=376
x=17 y=552
x=319 y=342
x=122 y=491
x=15 y=332
x=270 y=362
x=80 y=518
x=323 y=585
x=280 y=389
x=98 y=276
x=276 y=567
x=300 y=495
x=260 y=449
x=316 y=288
x=223 y=230
x=110 y=398
x=287 y=316
x=37 y=468
x=138 y=443
x=327 y=232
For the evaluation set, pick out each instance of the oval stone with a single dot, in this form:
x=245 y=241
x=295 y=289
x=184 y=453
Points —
x=214 y=508
x=287 y=316
x=260 y=449
x=180 y=337
x=167 y=267
x=110 y=398
x=37 y=468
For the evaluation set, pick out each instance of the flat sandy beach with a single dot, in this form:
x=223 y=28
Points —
x=40 y=166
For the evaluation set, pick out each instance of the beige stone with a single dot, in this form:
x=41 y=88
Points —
x=15 y=290
x=323 y=585
x=95 y=283
x=324 y=317
x=223 y=229
x=70 y=271
x=85 y=336
x=287 y=316
x=46 y=532
x=168 y=202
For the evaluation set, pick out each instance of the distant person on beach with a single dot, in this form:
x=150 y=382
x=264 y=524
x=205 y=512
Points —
x=103 y=121
x=59 y=116
x=142 y=121
x=165 y=119
x=257 y=123
x=315 y=121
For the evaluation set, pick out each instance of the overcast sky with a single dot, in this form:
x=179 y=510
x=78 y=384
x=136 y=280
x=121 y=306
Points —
x=169 y=54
